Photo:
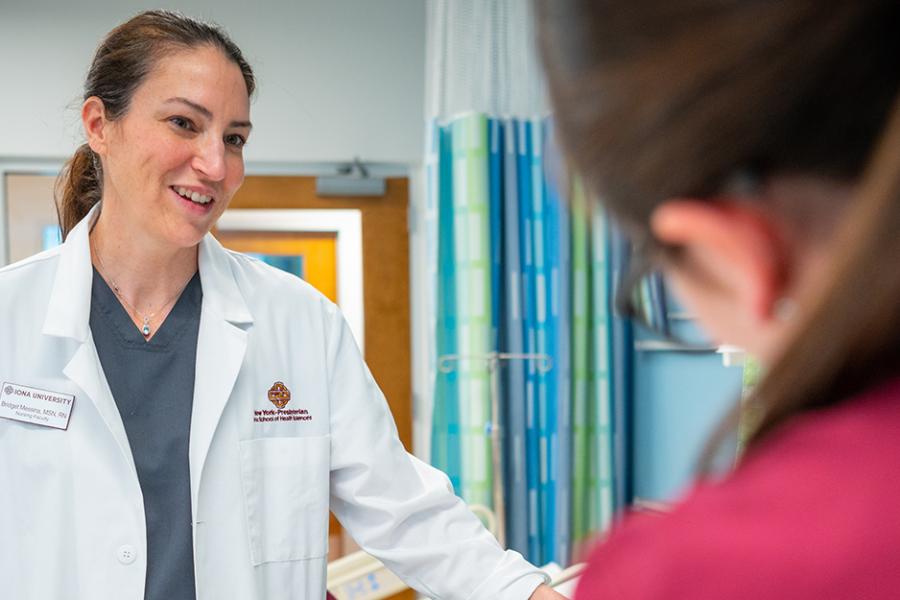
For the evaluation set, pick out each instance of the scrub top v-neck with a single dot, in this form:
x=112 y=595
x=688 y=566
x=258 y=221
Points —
x=152 y=382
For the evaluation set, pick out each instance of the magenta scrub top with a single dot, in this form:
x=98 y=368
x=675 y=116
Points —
x=812 y=513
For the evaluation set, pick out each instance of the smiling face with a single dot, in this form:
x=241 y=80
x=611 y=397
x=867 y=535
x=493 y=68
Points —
x=173 y=161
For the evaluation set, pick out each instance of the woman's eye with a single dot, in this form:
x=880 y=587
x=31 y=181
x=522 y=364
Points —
x=182 y=123
x=235 y=140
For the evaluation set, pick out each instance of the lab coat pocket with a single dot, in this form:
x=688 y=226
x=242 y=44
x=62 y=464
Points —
x=286 y=489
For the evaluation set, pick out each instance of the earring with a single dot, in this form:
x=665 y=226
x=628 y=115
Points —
x=784 y=309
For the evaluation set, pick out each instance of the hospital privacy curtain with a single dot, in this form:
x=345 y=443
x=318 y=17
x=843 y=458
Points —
x=522 y=269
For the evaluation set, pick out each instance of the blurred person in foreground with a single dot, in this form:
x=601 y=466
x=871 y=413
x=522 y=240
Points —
x=751 y=150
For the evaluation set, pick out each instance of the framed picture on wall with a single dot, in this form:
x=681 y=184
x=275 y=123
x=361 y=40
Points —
x=322 y=246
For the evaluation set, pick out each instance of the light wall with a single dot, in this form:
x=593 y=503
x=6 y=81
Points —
x=337 y=78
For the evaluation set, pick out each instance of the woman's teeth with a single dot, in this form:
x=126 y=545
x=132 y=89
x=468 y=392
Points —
x=192 y=196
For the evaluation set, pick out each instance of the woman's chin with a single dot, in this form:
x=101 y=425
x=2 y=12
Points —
x=187 y=235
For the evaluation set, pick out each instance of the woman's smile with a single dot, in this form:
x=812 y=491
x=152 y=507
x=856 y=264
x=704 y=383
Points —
x=196 y=202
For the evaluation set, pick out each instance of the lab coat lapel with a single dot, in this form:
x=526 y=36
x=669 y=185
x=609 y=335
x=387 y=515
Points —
x=85 y=371
x=221 y=346
x=68 y=316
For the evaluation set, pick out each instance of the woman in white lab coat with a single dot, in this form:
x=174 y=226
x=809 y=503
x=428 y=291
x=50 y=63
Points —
x=283 y=419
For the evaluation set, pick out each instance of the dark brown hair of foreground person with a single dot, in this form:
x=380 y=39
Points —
x=656 y=100
x=122 y=61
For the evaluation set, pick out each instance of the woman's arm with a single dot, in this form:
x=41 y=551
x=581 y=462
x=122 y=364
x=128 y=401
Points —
x=401 y=510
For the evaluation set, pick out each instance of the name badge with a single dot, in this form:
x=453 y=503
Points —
x=31 y=405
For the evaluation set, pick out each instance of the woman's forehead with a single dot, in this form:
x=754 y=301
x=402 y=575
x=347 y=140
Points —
x=204 y=76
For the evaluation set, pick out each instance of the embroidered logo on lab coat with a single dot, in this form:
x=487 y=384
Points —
x=279 y=395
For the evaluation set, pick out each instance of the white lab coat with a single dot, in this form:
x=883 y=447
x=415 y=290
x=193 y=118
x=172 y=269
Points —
x=72 y=520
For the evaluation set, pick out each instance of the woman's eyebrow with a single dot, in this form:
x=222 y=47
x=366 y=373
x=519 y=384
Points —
x=205 y=111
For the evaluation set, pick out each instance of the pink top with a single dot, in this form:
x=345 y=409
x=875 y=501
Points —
x=813 y=513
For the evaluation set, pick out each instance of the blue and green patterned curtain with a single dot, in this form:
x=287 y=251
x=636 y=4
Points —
x=524 y=266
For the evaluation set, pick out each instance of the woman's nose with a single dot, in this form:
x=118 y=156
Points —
x=209 y=159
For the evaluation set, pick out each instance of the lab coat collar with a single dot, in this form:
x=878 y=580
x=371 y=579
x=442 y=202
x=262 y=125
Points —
x=68 y=316
x=220 y=291
x=69 y=308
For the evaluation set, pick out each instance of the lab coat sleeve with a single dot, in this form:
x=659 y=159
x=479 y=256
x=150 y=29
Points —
x=399 y=509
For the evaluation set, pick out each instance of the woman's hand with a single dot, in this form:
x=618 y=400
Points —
x=545 y=592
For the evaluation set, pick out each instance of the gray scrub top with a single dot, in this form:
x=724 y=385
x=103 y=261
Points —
x=152 y=383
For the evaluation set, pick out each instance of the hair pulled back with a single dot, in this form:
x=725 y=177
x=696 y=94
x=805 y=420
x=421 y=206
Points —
x=657 y=100
x=121 y=63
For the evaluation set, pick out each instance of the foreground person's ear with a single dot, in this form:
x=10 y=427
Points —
x=731 y=249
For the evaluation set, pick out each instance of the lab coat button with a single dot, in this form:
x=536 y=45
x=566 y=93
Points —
x=126 y=554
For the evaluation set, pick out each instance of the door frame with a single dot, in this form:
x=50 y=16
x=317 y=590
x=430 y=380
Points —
x=345 y=224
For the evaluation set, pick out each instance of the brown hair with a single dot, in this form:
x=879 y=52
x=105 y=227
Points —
x=123 y=60
x=657 y=99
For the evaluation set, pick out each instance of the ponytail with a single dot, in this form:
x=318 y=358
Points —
x=78 y=188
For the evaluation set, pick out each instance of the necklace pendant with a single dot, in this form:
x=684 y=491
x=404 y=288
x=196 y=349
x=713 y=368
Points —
x=146 y=328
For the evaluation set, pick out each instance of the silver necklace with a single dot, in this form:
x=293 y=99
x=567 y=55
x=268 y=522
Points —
x=145 y=318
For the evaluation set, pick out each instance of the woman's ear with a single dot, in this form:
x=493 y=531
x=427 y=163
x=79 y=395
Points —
x=732 y=251
x=96 y=126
